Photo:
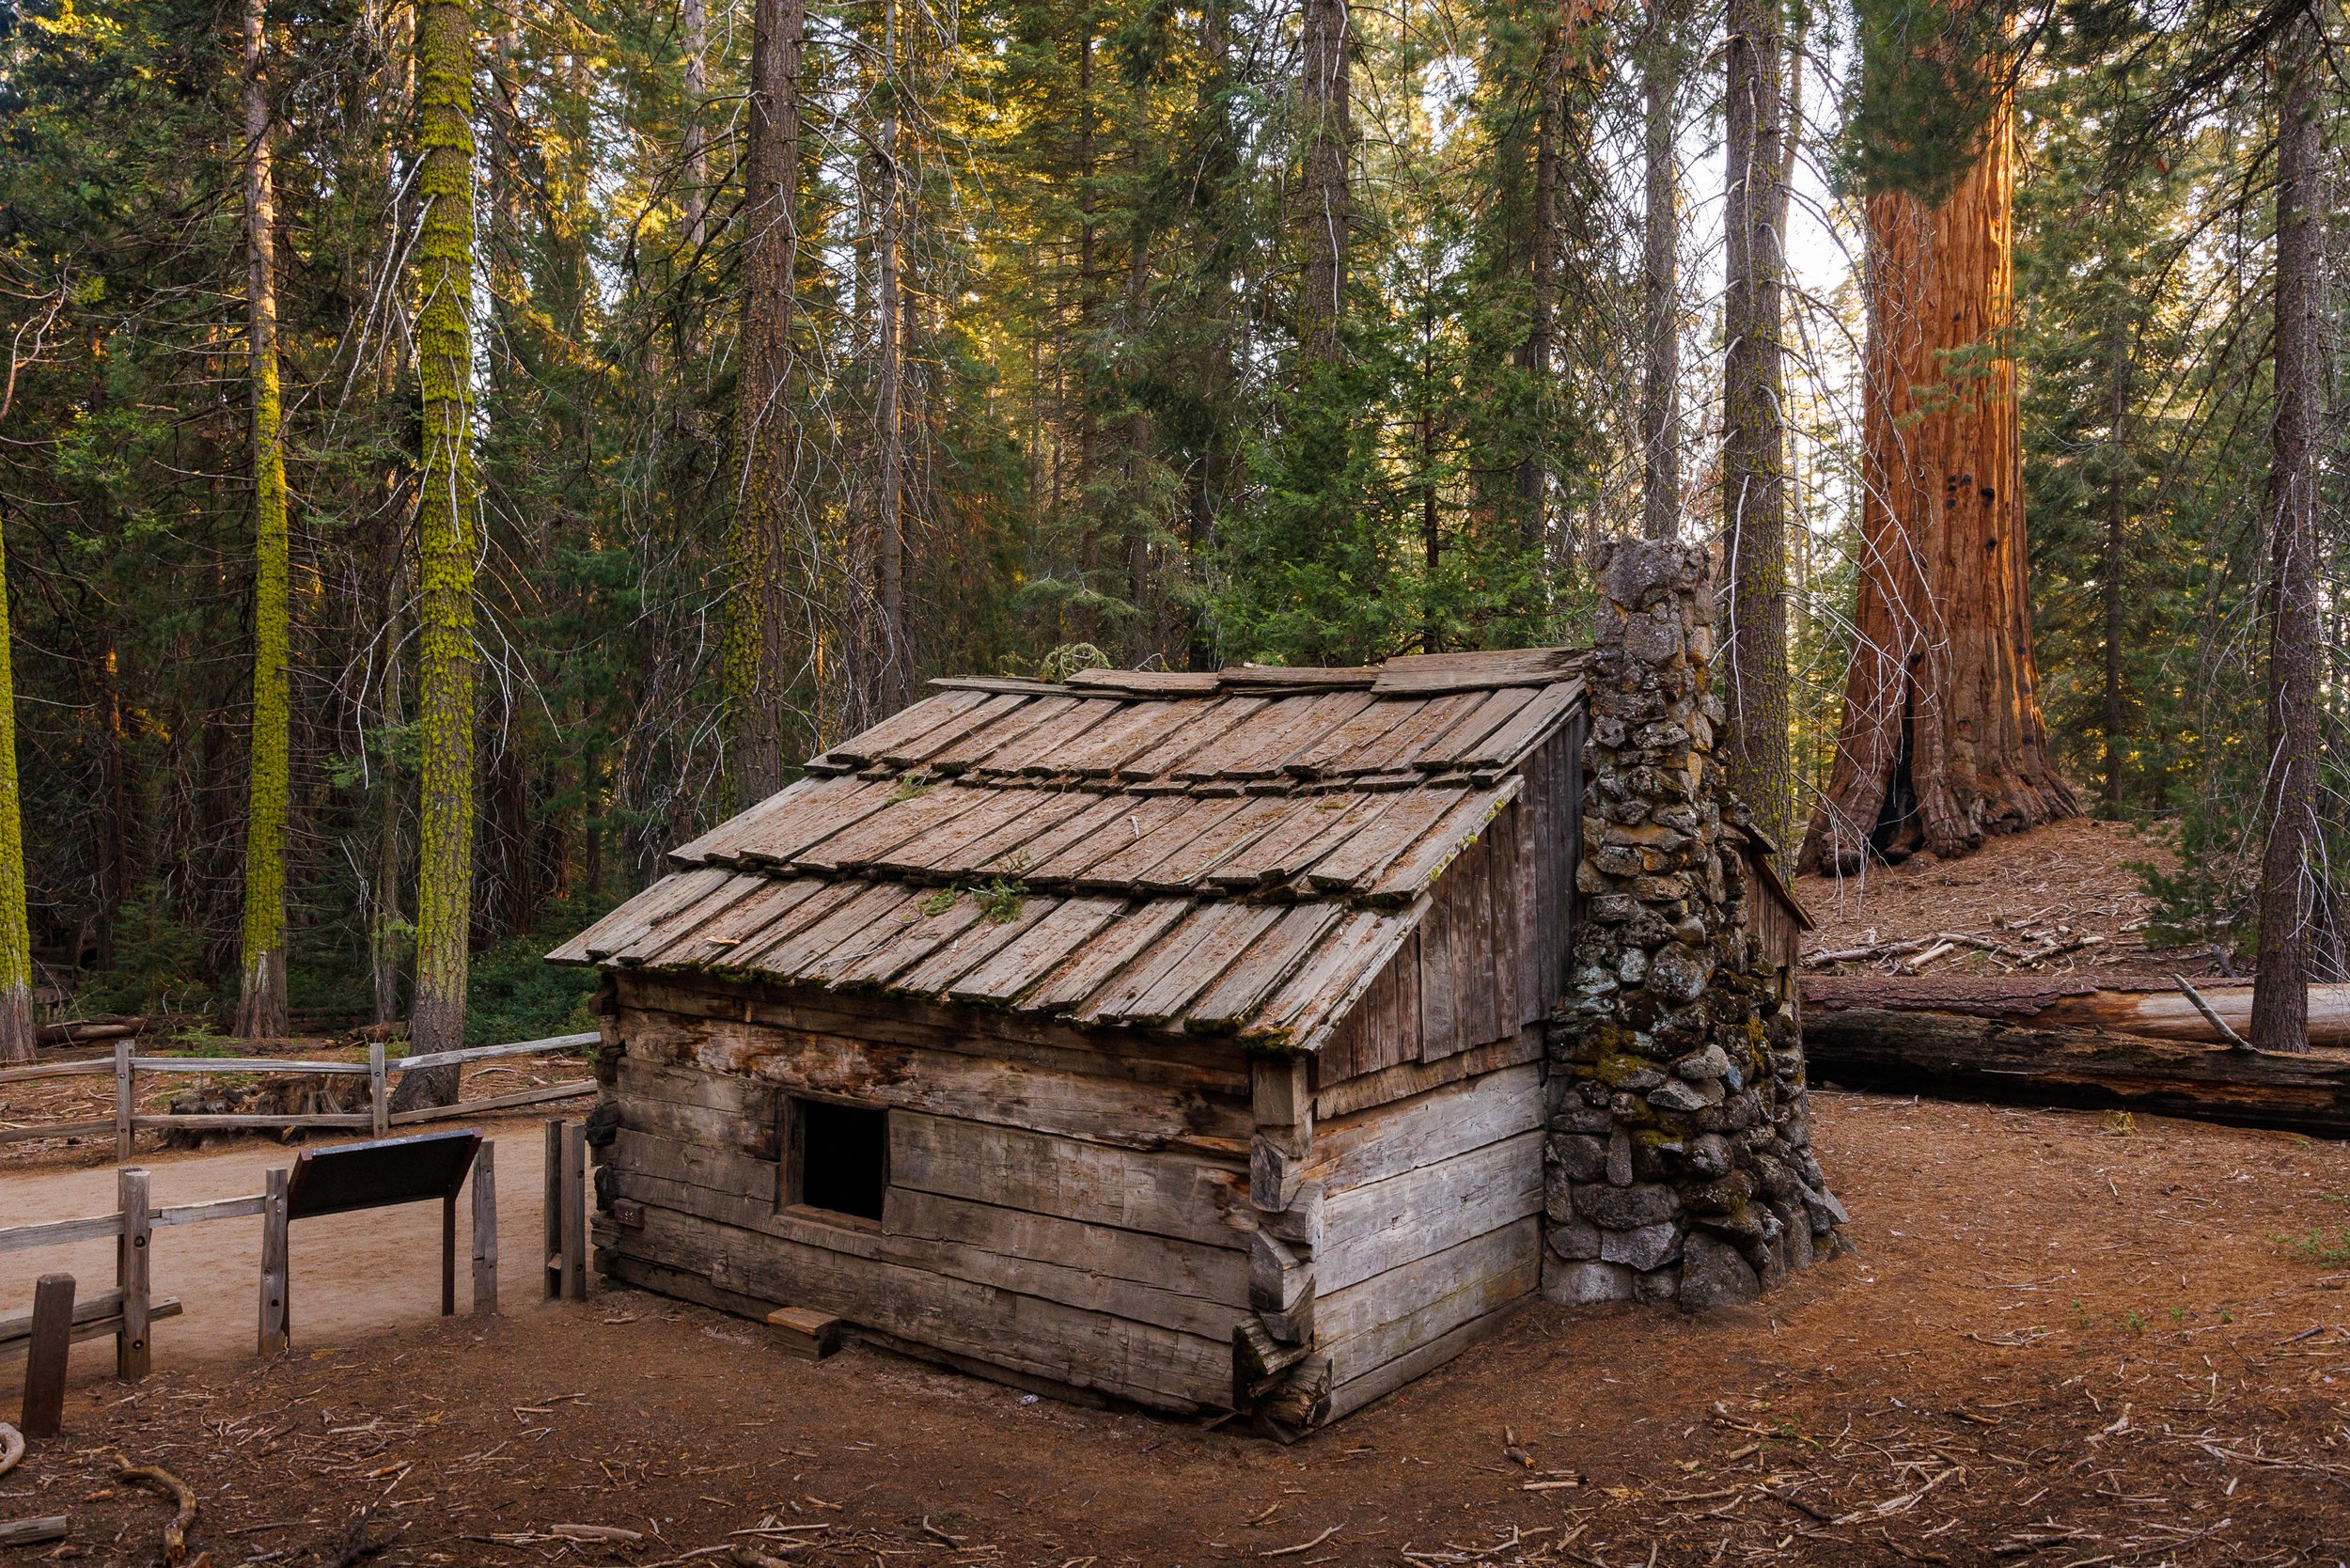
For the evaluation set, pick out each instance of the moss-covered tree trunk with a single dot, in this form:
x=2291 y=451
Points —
x=758 y=666
x=16 y=939
x=2288 y=889
x=442 y=273
x=1942 y=739
x=261 y=1004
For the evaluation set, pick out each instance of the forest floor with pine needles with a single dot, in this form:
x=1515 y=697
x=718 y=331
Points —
x=2059 y=1338
x=2066 y=898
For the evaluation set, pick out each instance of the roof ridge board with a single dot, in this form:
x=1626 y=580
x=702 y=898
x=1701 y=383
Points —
x=1475 y=670
x=1303 y=677
x=1013 y=685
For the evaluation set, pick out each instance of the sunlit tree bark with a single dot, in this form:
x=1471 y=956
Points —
x=1942 y=739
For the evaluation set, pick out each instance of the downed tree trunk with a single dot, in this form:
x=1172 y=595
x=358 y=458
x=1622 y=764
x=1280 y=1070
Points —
x=2162 y=1013
x=1971 y=1056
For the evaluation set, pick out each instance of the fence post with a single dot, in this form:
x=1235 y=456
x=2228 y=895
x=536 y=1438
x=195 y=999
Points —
x=553 y=1210
x=379 y=1102
x=485 y=1231
x=45 y=1360
x=276 y=1270
x=575 y=1209
x=123 y=1100
x=132 y=1356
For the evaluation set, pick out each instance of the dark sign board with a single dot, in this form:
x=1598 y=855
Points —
x=370 y=1175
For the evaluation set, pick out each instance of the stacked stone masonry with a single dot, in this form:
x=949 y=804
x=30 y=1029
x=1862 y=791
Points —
x=1678 y=1163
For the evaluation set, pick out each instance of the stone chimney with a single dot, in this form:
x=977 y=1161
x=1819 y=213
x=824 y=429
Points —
x=1678 y=1163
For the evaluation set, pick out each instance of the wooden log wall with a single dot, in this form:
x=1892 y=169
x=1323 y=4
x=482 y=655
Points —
x=1430 y=1227
x=1061 y=1208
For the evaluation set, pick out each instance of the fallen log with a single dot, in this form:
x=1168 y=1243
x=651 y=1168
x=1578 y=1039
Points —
x=1979 y=1057
x=2158 y=1010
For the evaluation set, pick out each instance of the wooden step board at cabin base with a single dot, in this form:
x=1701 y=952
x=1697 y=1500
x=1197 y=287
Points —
x=809 y=1335
x=93 y=1319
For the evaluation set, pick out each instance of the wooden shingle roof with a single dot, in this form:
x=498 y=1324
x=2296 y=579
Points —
x=1238 y=852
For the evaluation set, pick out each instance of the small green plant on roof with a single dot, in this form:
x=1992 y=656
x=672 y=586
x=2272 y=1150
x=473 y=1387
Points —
x=940 y=901
x=908 y=788
x=999 y=900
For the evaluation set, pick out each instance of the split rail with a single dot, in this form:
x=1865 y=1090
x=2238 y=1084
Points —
x=377 y=1120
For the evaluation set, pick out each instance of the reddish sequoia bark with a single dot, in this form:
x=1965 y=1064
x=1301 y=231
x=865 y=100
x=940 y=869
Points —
x=1942 y=740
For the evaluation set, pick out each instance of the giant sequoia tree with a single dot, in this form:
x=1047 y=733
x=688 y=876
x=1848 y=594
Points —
x=1942 y=739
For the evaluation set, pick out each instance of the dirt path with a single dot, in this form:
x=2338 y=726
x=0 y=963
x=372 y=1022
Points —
x=354 y=1274
x=2062 y=1341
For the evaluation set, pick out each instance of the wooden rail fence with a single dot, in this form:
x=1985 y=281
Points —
x=378 y=1118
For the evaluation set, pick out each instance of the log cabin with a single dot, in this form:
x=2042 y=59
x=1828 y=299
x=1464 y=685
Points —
x=1174 y=1037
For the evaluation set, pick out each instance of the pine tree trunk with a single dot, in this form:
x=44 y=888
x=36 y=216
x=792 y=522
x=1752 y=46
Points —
x=262 y=1005
x=695 y=14
x=1754 y=444
x=1942 y=739
x=2288 y=889
x=444 y=275
x=2117 y=536
x=1327 y=211
x=758 y=633
x=886 y=675
x=1540 y=347
x=1660 y=312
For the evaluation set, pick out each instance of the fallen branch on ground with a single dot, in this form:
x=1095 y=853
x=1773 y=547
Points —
x=154 y=1478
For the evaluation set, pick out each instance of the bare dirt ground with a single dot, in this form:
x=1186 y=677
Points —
x=2069 y=886
x=2060 y=1339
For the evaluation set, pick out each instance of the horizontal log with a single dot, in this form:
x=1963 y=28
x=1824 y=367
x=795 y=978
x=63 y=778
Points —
x=244 y=1064
x=2157 y=1011
x=544 y=1094
x=1383 y=1225
x=206 y=1121
x=94 y=1318
x=1966 y=1055
x=549 y=1046
x=219 y=1208
x=61 y=1233
x=60 y=1129
x=57 y=1070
